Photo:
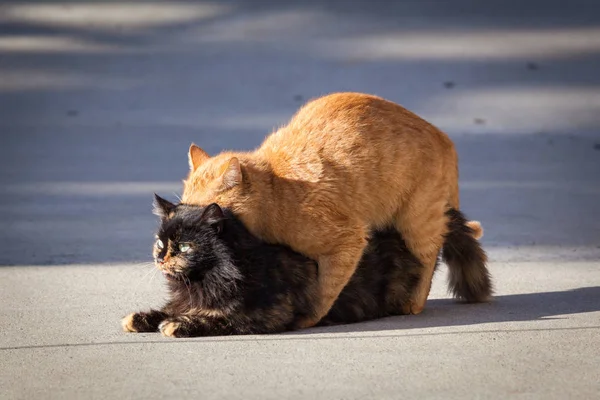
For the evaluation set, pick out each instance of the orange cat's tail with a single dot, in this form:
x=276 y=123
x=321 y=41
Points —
x=469 y=277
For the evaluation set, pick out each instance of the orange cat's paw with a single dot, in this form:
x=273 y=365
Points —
x=411 y=308
x=416 y=308
x=306 y=322
x=170 y=328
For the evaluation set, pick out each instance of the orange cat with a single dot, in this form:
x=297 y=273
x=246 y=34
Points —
x=345 y=164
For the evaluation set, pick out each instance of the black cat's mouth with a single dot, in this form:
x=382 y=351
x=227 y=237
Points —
x=172 y=276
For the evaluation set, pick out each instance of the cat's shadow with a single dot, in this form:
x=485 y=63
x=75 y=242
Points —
x=506 y=308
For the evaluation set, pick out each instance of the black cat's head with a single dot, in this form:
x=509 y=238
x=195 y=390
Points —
x=187 y=243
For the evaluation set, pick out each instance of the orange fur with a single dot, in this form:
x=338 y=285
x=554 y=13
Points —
x=346 y=163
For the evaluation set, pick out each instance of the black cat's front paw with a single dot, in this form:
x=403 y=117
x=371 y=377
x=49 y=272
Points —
x=173 y=328
x=141 y=322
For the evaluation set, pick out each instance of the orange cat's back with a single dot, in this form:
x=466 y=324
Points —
x=364 y=148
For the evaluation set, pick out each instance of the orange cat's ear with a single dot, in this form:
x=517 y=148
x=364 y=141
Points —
x=196 y=157
x=232 y=176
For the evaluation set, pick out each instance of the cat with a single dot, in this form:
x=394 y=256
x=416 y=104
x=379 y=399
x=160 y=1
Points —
x=346 y=164
x=225 y=281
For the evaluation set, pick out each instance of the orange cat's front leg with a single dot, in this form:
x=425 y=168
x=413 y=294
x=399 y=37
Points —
x=335 y=271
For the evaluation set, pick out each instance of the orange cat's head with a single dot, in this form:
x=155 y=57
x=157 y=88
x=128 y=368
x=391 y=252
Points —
x=217 y=179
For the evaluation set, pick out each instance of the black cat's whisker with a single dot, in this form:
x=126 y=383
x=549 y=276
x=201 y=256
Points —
x=148 y=273
x=143 y=265
x=140 y=268
x=153 y=275
x=143 y=278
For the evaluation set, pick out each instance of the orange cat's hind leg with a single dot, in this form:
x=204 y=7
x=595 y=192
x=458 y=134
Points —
x=423 y=226
x=335 y=271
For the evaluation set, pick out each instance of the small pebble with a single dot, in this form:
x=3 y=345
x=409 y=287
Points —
x=298 y=97
x=479 y=121
x=597 y=146
x=449 y=85
x=532 y=66
x=72 y=113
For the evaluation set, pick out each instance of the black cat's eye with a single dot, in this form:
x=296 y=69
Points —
x=160 y=244
x=184 y=247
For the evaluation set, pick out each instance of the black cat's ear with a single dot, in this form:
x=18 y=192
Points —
x=213 y=215
x=162 y=207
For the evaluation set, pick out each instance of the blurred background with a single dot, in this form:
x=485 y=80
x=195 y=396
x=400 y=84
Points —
x=99 y=102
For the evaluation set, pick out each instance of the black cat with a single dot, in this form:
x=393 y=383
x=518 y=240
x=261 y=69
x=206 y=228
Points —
x=225 y=281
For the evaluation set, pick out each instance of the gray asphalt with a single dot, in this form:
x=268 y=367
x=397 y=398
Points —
x=99 y=102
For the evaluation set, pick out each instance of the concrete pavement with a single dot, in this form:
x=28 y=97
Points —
x=100 y=100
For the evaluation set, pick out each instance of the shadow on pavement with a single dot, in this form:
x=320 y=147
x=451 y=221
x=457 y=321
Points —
x=507 y=308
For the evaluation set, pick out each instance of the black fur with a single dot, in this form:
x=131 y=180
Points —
x=234 y=283
x=469 y=278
